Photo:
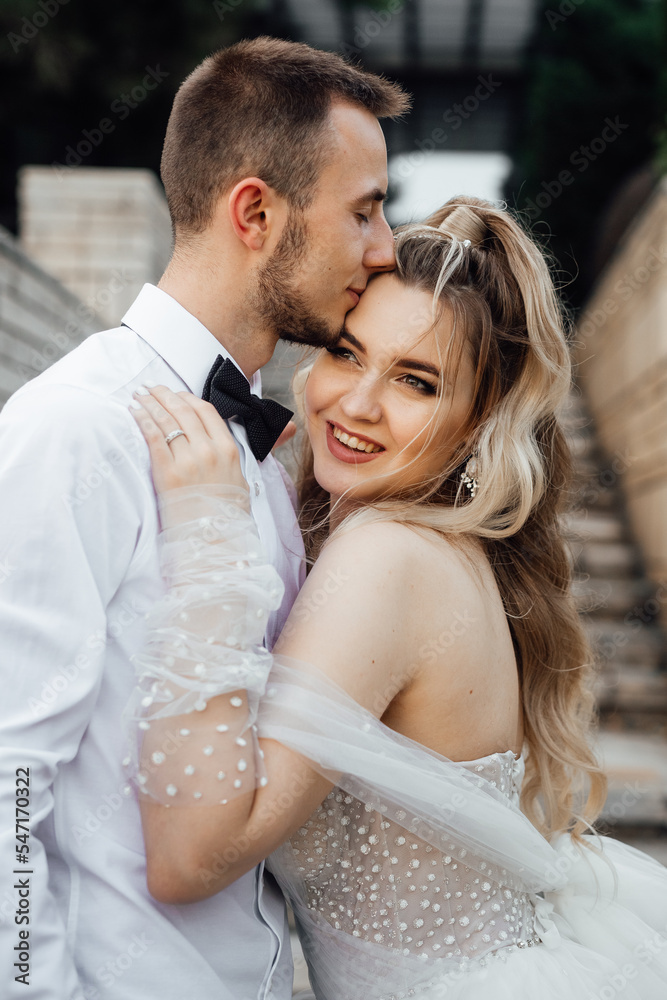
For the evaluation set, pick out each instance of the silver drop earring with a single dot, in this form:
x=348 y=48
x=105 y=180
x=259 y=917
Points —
x=468 y=476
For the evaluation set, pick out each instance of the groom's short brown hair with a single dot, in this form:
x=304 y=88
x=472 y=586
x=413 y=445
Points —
x=260 y=108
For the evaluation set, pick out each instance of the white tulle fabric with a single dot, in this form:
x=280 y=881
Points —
x=420 y=877
x=204 y=642
x=417 y=876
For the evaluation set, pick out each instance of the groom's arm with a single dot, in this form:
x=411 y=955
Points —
x=68 y=476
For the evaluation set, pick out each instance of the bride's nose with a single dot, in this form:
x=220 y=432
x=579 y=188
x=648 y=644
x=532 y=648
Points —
x=363 y=402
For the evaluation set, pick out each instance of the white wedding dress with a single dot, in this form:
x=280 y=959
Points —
x=417 y=876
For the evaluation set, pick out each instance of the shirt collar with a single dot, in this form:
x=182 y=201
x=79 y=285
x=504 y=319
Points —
x=179 y=338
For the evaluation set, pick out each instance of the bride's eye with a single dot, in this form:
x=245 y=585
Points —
x=428 y=388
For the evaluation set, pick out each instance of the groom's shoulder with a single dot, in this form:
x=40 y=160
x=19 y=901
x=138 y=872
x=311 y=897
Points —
x=103 y=364
x=94 y=377
x=86 y=391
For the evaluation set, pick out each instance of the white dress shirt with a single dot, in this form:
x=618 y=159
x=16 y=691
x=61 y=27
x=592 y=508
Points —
x=78 y=571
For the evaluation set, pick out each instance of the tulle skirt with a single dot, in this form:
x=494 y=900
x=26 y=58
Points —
x=604 y=937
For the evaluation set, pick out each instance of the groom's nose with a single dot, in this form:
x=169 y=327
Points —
x=379 y=255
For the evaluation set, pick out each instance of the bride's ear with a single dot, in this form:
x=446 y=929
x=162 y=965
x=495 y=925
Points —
x=299 y=380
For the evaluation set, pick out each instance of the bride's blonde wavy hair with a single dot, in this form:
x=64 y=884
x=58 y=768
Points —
x=492 y=280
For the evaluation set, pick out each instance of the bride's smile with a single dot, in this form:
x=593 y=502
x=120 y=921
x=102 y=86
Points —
x=386 y=404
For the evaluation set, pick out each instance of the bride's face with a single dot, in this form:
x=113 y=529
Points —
x=377 y=390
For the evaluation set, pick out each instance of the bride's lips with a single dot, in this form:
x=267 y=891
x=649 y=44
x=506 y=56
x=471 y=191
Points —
x=345 y=454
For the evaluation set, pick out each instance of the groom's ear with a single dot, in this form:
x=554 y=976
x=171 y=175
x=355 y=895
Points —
x=255 y=211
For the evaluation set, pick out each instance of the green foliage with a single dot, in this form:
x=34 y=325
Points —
x=591 y=62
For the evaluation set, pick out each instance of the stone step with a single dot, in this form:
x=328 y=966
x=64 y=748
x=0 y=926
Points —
x=629 y=689
x=587 y=467
x=611 y=668
x=589 y=494
x=587 y=526
x=630 y=641
x=616 y=560
x=607 y=596
x=636 y=765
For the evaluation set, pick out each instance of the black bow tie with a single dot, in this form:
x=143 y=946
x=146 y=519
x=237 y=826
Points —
x=228 y=389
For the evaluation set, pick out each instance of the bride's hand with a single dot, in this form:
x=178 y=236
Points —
x=205 y=453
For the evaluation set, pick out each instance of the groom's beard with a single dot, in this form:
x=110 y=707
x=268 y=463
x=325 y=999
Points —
x=277 y=298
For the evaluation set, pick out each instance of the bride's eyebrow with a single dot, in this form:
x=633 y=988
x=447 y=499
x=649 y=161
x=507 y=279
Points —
x=420 y=366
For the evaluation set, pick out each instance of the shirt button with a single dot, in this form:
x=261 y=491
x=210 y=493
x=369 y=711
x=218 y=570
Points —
x=257 y=489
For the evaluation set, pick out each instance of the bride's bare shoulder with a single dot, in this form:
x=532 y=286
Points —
x=382 y=570
x=390 y=546
x=377 y=534
x=363 y=609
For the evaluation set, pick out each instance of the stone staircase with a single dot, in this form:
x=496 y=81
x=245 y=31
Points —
x=620 y=606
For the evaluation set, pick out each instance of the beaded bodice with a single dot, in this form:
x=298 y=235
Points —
x=370 y=878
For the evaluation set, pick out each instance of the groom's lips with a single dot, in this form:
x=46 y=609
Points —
x=345 y=454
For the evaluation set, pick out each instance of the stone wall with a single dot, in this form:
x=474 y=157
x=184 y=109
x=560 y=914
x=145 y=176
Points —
x=622 y=356
x=102 y=232
x=40 y=321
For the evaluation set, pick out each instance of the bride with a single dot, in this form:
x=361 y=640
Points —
x=414 y=753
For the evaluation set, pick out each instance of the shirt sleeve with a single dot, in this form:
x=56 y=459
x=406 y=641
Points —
x=70 y=475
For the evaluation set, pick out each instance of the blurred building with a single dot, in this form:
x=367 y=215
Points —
x=461 y=59
x=87 y=242
x=102 y=232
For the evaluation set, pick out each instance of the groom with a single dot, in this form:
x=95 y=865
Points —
x=274 y=167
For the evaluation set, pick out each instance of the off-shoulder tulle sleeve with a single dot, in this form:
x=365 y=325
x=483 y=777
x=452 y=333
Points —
x=204 y=644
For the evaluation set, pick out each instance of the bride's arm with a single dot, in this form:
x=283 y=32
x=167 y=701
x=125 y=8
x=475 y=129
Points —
x=355 y=620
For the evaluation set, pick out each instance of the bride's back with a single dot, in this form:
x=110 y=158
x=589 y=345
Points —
x=413 y=626
x=463 y=699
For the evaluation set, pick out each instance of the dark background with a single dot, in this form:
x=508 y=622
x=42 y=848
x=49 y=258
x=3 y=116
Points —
x=566 y=67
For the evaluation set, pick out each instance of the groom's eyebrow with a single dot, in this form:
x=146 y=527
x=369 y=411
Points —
x=420 y=366
x=377 y=194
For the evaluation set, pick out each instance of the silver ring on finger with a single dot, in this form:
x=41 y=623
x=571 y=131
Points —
x=172 y=437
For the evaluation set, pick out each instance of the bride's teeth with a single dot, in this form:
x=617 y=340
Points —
x=354 y=442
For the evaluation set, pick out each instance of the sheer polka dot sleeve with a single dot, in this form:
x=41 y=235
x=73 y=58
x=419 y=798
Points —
x=191 y=719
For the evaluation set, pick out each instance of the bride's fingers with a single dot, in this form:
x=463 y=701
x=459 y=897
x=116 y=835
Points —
x=212 y=422
x=195 y=457
x=171 y=413
x=161 y=454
